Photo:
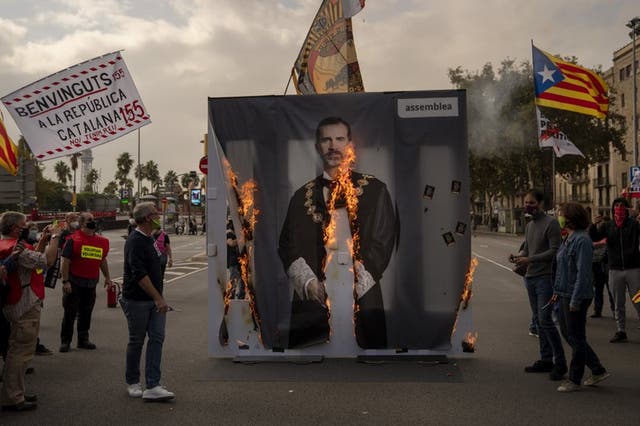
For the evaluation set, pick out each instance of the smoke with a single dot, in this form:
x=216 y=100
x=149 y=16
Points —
x=501 y=115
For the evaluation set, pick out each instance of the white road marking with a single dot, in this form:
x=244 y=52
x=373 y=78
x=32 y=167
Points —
x=492 y=261
x=185 y=275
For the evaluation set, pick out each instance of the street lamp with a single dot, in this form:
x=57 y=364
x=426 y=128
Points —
x=634 y=24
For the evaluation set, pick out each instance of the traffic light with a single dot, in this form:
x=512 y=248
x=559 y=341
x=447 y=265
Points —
x=193 y=174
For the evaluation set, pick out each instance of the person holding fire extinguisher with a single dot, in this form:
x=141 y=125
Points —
x=83 y=257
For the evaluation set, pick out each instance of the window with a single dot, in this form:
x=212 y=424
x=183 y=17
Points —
x=621 y=74
x=625 y=182
x=622 y=100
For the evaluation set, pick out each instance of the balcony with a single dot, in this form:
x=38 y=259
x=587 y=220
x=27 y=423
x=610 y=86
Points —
x=601 y=182
x=578 y=179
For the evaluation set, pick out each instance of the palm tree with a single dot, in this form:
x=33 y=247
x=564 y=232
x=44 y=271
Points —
x=74 y=167
x=124 y=165
x=111 y=188
x=170 y=180
x=152 y=174
x=92 y=180
x=63 y=172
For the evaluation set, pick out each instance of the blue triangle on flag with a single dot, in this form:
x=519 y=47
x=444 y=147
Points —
x=545 y=73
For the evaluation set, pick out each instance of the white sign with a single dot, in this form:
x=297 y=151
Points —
x=81 y=107
x=427 y=107
x=551 y=136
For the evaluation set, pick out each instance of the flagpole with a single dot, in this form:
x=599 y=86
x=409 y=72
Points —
x=553 y=179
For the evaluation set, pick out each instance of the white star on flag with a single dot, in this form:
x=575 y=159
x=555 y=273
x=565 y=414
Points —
x=547 y=74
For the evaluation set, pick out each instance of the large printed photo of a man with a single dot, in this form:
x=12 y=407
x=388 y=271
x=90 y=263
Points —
x=361 y=240
x=316 y=209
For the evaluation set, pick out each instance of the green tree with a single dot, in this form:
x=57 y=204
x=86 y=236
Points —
x=504 y=156
x=111 y=188
x=74 y=167
x=124 y=163
x=152 y=174
x=92 y=180
x=170 y=181
x=63 y=172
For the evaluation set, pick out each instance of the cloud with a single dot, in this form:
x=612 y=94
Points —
x=182 y=51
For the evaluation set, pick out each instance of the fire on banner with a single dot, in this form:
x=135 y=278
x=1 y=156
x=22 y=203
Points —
x=81 y=107
x=327 y=62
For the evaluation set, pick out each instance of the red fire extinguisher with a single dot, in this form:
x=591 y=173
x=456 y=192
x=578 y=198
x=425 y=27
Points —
x=112 y=295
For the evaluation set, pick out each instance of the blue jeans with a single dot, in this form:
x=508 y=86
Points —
x=540 y=290
x=143 y=320
x=573 y=327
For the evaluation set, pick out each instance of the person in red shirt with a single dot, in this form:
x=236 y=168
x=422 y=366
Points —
x=83 y=257
x=22 y=305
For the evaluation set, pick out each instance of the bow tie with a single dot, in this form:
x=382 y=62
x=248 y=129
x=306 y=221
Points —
x=332 y=185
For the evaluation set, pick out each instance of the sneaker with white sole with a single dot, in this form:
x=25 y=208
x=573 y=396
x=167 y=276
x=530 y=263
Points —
x=134 y=390
x=156 y=394
x=596 y=378
x=568 y=386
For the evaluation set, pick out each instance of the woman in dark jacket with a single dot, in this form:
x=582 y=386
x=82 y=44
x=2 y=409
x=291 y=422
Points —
x=573 y=290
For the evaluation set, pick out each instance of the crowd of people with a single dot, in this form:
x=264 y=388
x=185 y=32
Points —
x=75 y=254
x=568 y=262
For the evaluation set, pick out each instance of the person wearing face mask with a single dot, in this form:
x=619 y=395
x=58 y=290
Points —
x=573 y=292
x=144 y=307
x=83 y=257
x=542 y=239
x=623 y=253
x=22 y=305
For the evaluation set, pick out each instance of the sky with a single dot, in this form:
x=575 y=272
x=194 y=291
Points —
x=180 y=52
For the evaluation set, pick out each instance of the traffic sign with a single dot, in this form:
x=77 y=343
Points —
x=204 y=165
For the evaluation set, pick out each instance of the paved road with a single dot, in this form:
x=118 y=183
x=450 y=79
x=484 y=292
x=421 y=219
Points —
x=83 y=387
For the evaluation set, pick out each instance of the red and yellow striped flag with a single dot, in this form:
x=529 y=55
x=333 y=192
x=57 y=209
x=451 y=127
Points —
x=563 y=85
x=636 y=297
x=8 y=151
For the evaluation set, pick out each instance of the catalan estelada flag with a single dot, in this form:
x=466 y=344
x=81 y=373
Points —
x=567 y=86
x=8 y=151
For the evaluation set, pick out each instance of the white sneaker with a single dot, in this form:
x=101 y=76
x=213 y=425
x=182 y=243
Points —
x=568 y=386
x=596 y=378
x=135 y=390
x=158 y=393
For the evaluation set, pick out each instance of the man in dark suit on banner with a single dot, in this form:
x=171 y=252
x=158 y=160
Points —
x=362 y=214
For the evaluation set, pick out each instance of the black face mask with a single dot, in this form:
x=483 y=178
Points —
x=91 y=225
x=24 y=234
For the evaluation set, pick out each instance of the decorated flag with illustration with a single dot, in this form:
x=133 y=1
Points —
x=8 y=151
x=327 y=62
x=563 y=85
x=549 y=136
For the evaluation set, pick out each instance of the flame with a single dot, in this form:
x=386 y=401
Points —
x=344 y=189
x=465 y=297
x=247 y=208
x=248 y=214
x=469 y=342
x=471 y=338
x=227 y=296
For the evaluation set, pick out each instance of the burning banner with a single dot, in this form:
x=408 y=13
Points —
x=342 y=260
x=327 y=62
x=81 y=107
